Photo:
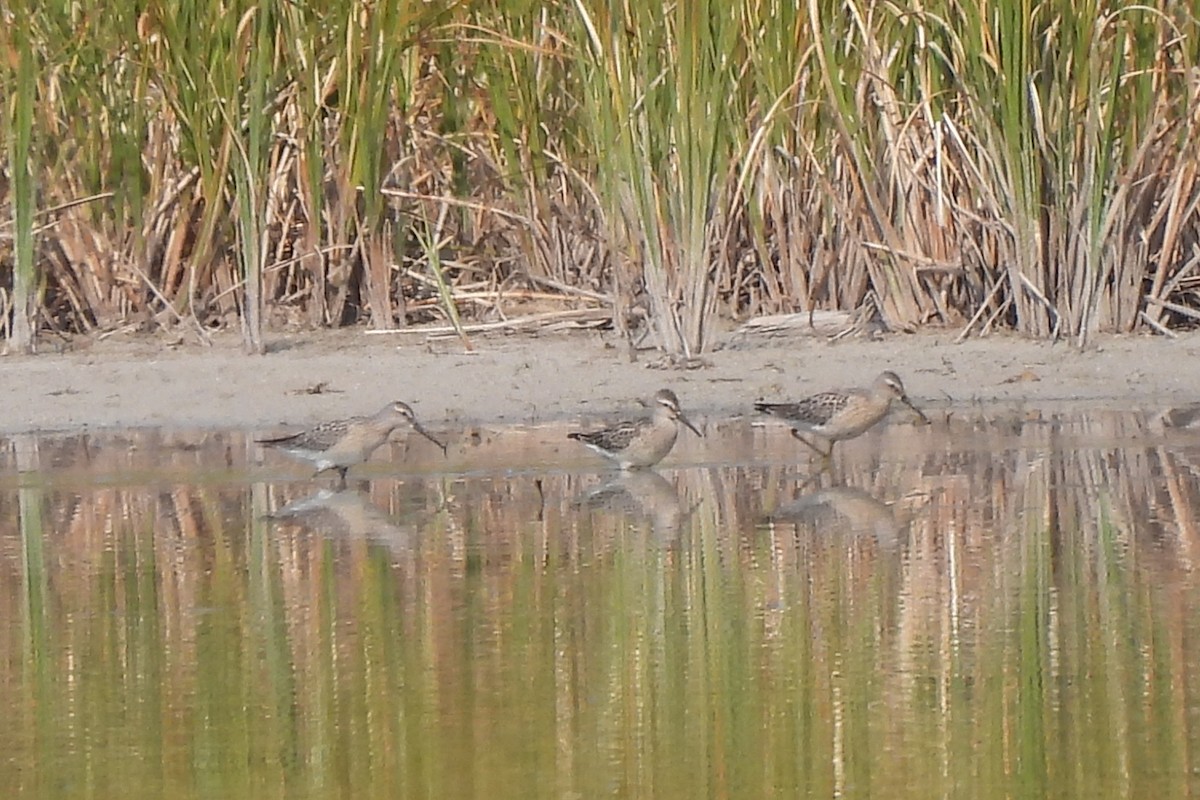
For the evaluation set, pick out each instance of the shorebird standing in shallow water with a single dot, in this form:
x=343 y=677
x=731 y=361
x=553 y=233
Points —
x=342 y=443
x=830 y=417
x=643 y=442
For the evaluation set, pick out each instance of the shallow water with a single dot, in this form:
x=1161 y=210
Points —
x=993 y=606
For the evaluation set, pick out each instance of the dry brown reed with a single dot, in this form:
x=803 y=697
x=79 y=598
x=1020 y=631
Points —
x=1033 y=173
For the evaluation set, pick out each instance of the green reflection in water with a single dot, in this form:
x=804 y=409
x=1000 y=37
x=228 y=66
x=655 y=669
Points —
x=985 y=610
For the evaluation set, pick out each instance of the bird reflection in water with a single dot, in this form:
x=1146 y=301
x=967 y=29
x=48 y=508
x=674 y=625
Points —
x=854 y=511
x=348 y=514
x=640 y=495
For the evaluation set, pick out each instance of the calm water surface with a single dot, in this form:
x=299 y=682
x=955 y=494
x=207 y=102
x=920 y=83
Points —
x=993 y=607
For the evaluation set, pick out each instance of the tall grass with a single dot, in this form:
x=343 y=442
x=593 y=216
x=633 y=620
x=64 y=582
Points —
x=977 y=165
x=22 y=174
x=248 y=86
x=657 y=81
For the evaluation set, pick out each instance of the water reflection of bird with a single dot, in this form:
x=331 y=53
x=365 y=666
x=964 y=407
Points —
x=346 y=514
x=632 y=444
x=853 y=509
x=340 y=444
x=830 y=417
x=639 y=495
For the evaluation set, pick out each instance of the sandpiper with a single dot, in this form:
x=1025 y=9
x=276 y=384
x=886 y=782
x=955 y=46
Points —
x=341 y=444
x=634 y=444
x=833 y=416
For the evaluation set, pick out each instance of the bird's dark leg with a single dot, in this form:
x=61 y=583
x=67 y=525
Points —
x=797 y=435
x=809 y=481
x=341 y=471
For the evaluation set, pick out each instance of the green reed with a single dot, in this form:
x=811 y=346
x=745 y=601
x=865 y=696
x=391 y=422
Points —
x=657 y=86
x=248 y=87
x=22 y=169
x=1022 y=165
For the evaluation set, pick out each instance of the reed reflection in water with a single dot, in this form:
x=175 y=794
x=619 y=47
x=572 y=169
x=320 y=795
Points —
x=993 y=607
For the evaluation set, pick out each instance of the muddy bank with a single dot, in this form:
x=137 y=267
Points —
x=139 y=382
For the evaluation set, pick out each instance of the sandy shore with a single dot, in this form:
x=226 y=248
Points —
x=147 y=382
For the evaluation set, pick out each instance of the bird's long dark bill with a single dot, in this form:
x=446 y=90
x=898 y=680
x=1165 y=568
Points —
x=691 y=427
x=916 y=410
x=276 y=440
x=428 y=436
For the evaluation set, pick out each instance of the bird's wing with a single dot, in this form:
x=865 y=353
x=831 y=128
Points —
x=319 y=437
x=815 y=410
x=612 y=439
